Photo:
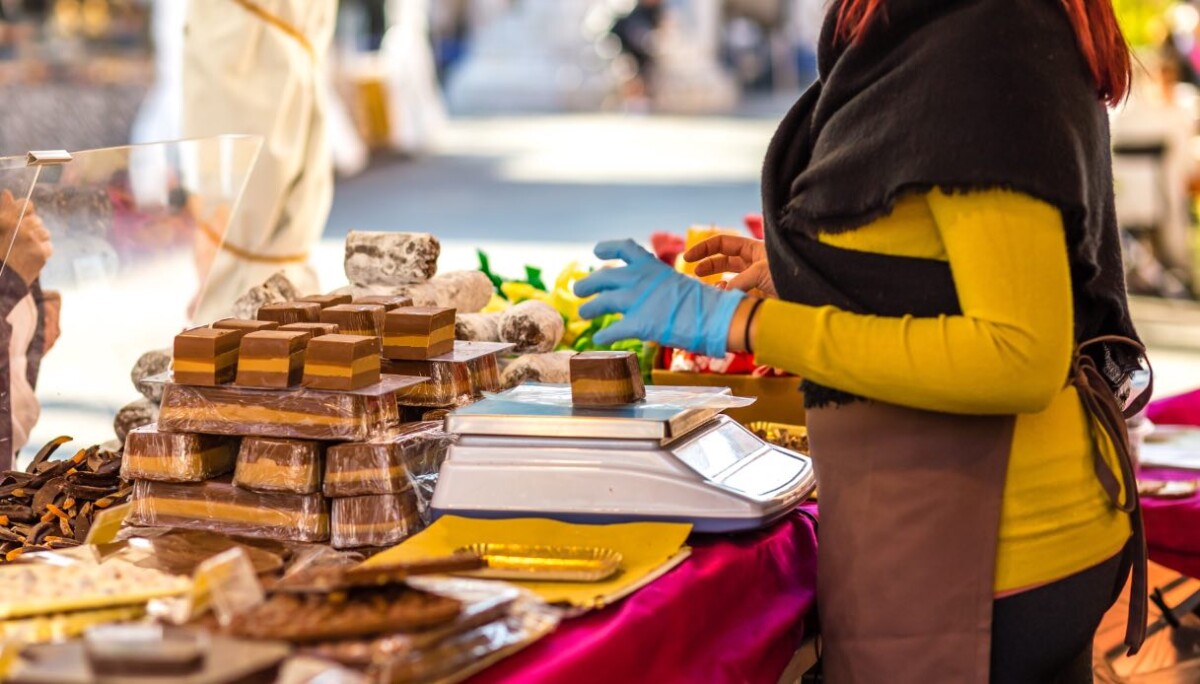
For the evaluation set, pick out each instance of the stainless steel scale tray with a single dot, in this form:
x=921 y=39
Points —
x=501 y=415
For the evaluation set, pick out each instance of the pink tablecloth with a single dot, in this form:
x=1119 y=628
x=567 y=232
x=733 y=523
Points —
x=1173 y=526
x=735 y=611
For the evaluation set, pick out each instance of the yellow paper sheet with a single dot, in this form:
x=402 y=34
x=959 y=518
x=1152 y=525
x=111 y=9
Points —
x=647 y=550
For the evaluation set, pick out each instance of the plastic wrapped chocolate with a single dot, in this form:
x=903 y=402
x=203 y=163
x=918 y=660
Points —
x=554 y=367
x=266 y=464
x=477 y=327
x=176 y=457
x=374 y=521
x=218 y=506
x=148 y=365
x=289 y=414
x=449 y=382
x=206 y=356
x=485 y=374
x=134 y=415
x=418 y=333
x=409 y=455
x=290 y=312
x=365 y=320
x=375 y=258
x=606 y=378
x=532 y=326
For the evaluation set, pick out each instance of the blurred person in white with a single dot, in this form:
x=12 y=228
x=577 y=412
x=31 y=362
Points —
x=28 y=323
x=257 y=67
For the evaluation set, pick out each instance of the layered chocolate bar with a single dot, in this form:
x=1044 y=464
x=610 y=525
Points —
x=206 y=356
x=342 y=362
x=290 y=312
x=218 y=506
x=389 y=302
x=374 y=521
x=176 y=457
x=244 y=325
x=356 y=319
x=417 y=334
x=391 y=464
x=485 y=374
x=265 y=464
x=294 y=414
x=329 y=300
x=449 y=382
x=272 y=358
x=317 y=329
x=606 y=378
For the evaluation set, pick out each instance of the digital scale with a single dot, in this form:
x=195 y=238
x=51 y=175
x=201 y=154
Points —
x=651 y=461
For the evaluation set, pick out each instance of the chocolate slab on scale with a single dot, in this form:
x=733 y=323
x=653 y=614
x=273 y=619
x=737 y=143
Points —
x=342 y=362
x=418 y=333
x=389 y=302
x=176 y=456
x=317 y=329
x=244 y=325
x=206 y=356
x=272 y=358
x=290 y=312
x=356 y=319
x=374 y=258
x=328 y=300
x=606 y=378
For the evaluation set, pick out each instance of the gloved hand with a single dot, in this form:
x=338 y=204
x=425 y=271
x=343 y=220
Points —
x=657 y=303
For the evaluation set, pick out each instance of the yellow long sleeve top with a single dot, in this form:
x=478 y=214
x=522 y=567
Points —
x=1007 y=353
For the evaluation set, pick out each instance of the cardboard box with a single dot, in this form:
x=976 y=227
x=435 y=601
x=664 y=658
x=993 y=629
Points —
x=779 y=399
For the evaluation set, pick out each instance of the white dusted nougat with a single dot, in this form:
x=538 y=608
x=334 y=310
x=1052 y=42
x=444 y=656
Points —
x=390 y=258
x=532 y=326
x=554 y=367
x=477 y=327
x=463 y=291
x=275 y=290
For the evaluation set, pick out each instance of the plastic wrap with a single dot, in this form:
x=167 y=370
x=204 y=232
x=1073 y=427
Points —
x=218 y=506
x=658 y=396
x=606 y=378
x=485 y=374
x=408 y=458
x=418 y=334
x=375 y=521
x=176 y=457
x=291 y=414
x=448 y=383
x=378 y=258
x=265 y=464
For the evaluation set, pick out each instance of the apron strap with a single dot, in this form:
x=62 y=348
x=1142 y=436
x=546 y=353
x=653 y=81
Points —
x=1104 y=412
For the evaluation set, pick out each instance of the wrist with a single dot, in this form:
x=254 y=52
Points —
x=721 y=321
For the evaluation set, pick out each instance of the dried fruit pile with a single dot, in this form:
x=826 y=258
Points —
x=50 y=505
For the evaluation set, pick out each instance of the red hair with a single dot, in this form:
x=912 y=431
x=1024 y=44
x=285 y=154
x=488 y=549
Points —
x=1095 y=23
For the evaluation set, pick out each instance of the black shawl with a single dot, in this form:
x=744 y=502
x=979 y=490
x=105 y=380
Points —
x=957 y=94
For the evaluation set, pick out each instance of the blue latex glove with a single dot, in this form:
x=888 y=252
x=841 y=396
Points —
x=657 y=303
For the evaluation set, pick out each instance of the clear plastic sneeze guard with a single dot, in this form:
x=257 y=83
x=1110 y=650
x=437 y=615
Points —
x=134 y=231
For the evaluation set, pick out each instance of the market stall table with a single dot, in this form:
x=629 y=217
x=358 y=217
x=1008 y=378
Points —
x=735 y=611
x=1173 y=526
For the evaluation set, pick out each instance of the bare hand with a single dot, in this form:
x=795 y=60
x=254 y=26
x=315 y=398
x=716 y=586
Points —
x=51 y=310
x=31 y=249
x=744 y=256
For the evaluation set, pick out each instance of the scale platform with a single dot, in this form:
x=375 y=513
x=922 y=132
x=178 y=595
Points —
x=528 y=453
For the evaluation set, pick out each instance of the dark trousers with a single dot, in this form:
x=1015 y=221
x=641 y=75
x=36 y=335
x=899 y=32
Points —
x=1045 y=634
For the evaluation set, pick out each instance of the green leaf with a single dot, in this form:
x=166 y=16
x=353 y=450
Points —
x=533 y=276
x=485 y=267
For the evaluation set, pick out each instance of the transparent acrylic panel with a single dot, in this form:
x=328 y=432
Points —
x=134 y=231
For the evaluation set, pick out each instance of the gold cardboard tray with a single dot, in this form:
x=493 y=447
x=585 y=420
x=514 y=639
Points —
x=524 y=562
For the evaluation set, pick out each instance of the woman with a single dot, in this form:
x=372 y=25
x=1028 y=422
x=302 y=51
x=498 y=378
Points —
x=941 y=236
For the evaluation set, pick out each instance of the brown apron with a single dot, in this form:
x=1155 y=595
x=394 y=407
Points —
x=910 y=516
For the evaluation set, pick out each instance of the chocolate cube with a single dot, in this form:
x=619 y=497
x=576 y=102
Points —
x=272 y=358
x=606 y=378
x=356 y=319
x=317 y=329
x=206 y=356
x=342 y=362
x=244 y=325
x=389 y=302
x=290 y=312
x=327 y=301
x=418 y=333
